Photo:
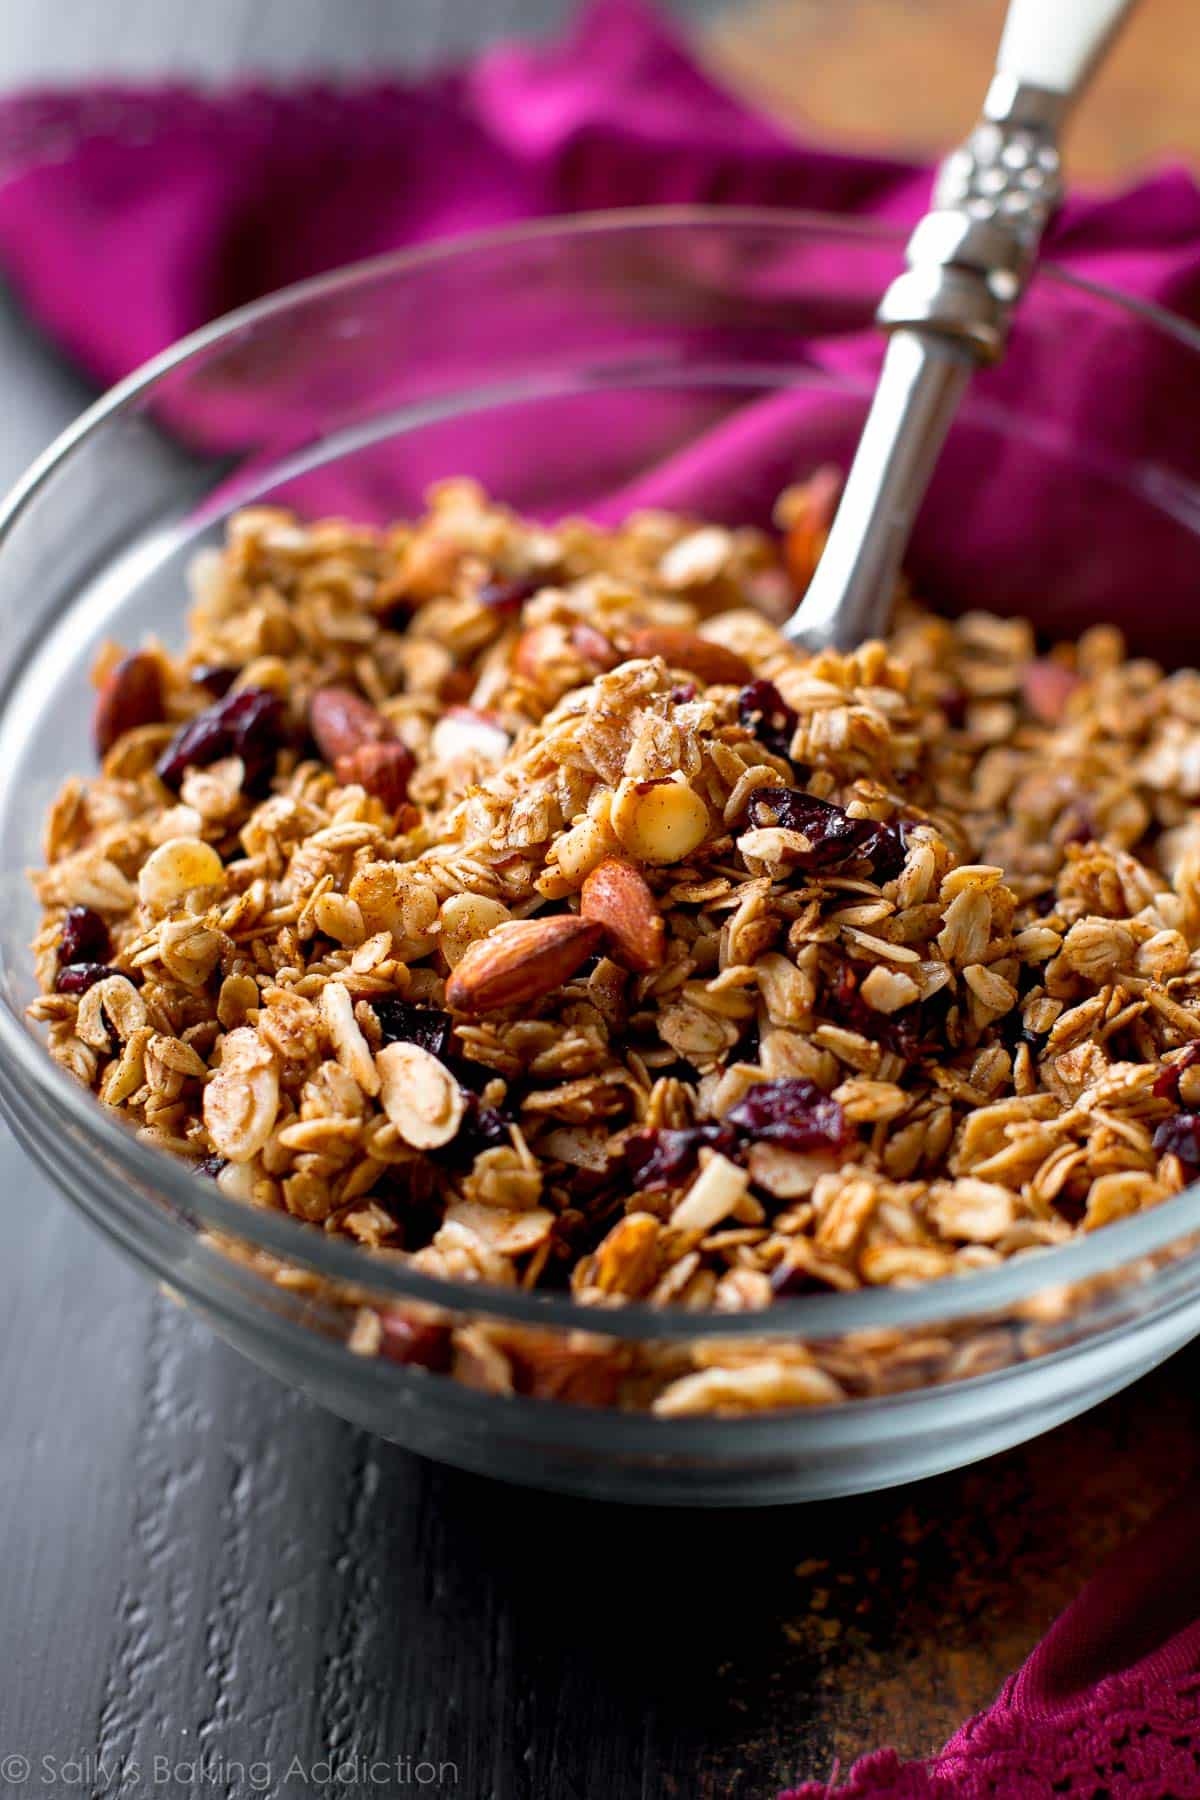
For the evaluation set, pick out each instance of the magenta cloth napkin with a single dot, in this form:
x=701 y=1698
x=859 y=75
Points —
x=130 y=217
x=1106 y=1708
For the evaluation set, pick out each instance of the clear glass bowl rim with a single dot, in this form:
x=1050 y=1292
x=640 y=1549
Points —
x=199 y=1199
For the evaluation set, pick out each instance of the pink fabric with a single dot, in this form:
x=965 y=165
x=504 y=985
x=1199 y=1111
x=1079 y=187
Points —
x=130 y=217
x=1106 y=1708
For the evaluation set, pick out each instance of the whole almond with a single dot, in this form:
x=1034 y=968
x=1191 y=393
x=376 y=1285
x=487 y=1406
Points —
x=130 y=695
x=1046 y=687
x=543 y=647
x=594 y=647
x=810 y=514
x=521 y=961
x=382 y=769
x=681 y=649
x=342 y=721
x=537 y=648
x=617 y=896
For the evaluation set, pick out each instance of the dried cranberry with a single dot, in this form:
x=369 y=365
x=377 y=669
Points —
x=482 y=1128
x=793 y=1113
x=681 y=695
x=663 y=1159
x=834 y=837
x=1166 y=1087
x=248 y=723
x=77 y=978
x=1014 y=1032
x=789 y=1279
x=953 y=702
x=908 y=1033
x=215 y=678
x=1180 y=1136
x=414 y=1341
x=510 y=596
x=1081 y=828
x=84 y=937
x=211 y=1166
x=763 y=710
x=402 y=1022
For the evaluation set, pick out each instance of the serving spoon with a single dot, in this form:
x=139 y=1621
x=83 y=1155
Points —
x=968 y=262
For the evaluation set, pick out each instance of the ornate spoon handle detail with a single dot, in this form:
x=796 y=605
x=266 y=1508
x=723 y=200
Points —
x=967 y=264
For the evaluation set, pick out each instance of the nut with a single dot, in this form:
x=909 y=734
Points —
x=547 y=651
x=659 y=821
x=887 y=990
x=698 y=558
x=617 y=896
x=682 y=649
x=382 y=769
x=464 y=731
x=175 y=868
x=593 y=647
x=420 y=1096
x=810 y=509
x=349 y=1044
x=712 y=1196
x=464 y=919
x=342 y=721
x=521 y=961
x=130 y=695
x=1046 y=687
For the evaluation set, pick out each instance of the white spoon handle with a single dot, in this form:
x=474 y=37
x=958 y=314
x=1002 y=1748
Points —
x=968 y=261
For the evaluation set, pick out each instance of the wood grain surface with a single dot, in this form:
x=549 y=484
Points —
x=200 y=1567
x=910 y=74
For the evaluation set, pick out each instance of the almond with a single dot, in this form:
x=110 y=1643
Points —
x=466 y=731
x=130 y=695
x=521 y=961
x=682 y=649
x=618 y=897
x=342 y=721
x=594 y=647
x=547 y=647
x=810 y=514
x=382 y=769
x=1046 y=688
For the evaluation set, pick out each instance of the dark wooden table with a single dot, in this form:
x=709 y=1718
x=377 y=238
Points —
x=208 y=1587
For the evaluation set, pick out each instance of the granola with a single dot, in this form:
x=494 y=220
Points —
x=519 y=903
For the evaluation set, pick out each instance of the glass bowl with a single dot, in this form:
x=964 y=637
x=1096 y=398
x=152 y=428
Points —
x=586 y=366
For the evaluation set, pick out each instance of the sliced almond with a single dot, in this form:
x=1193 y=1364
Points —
x=349 y=1044
x=521 y=961
x=617 y=896
x=342 y=721
x=683 y=649
x=420 y=1096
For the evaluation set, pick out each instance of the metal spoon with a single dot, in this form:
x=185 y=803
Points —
x=969 y=260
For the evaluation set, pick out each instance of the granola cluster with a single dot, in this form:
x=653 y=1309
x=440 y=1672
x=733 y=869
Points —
x=520 y=903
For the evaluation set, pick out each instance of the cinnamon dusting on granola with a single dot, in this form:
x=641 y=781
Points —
x=886 y=966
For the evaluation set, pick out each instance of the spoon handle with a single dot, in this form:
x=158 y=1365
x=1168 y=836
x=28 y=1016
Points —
x=968 y=262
